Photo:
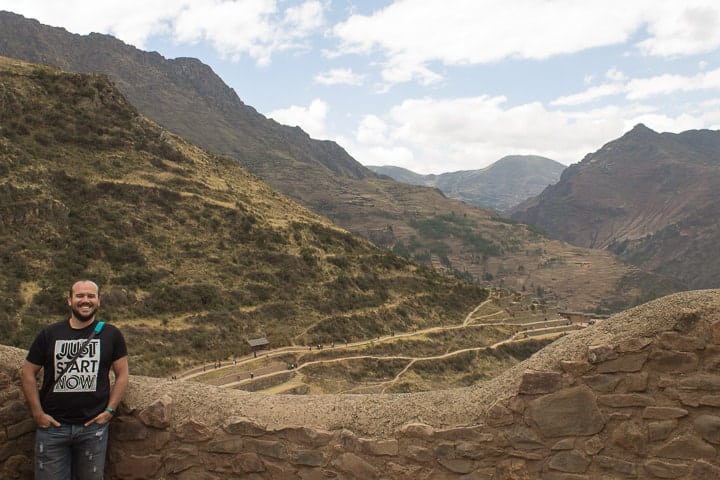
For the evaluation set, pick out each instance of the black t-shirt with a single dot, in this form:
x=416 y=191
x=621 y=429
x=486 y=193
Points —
x=82 y=393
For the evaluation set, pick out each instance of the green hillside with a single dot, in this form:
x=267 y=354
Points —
x=194 y=254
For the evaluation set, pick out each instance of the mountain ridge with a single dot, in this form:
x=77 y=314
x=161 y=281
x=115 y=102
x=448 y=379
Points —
x=499 y=186
x=646 y=196
x=419 y=223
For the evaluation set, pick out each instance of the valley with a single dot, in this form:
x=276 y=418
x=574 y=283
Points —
x=497 y=334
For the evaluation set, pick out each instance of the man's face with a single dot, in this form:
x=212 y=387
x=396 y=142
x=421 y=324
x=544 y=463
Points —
x=84 y=300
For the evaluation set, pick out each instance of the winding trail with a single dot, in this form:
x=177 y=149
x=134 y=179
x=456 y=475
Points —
x=250 y=368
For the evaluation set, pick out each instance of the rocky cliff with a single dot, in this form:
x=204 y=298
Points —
x=649 y=197
x=634 y=396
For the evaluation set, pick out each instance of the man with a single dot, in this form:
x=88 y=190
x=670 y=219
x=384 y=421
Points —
x=72 y=409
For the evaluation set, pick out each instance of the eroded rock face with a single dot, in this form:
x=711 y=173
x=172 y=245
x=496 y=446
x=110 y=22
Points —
x=642 y=404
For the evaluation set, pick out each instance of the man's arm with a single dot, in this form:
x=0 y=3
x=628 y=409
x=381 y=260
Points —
x=122 y=374
x=117 y=391
x=28 y=374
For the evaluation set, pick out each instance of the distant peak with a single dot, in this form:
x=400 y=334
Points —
x=641 y=128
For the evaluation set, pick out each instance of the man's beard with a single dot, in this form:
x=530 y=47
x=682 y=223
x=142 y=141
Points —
x=83 y=317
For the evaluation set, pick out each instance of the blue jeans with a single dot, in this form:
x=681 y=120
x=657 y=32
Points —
x=70 y=452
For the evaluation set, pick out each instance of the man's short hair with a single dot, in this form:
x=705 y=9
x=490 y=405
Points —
x=84 y=280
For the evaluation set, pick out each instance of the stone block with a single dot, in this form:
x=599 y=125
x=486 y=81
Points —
x=702 y=469
x=708 y=426
x=476 y=451
x=664 y=361
x=716 y=332
x=499 y=415
x=622 y=400
x=21 y=428
x=17 y=466
x=631 y=437
x=634 y=344
x=601 y=353
x=701 y=381
x=248 y=463
x=126 y=429
x=418 y=453
x=660 y=430
x=604 y=383
x=158 y=414
x=243 y=426
x=457 y=465
x=306 y=436
x=512 y=469
x=593 y=445
x=631 y=362
x=680 y=343
x=627 y=469
x=136 y=467
x=176 y=462
x=634 y=382
x=355 y=466
x=686 y=447
x=564 y=444
x=551 y=475
x=523 y=438
x=663 y=469
x=569 y=461
x=476 y=433
x=479 y=474
x=389 y=447
x=709 y=400
x=534 y=383
x=12 y=412
x=570 y=412
x=308 y=458
x=417 y=430
x=18 y=446
x=225 y=445
x=198 y=473
x=575 y=368
x=268 y=448
x=345 y=441
x=663 y=413
x=193 y=431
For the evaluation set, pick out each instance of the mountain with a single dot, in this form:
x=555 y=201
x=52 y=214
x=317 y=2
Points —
x=194 y=254
x=187 y=98
x=649 y=197
x=500 y=186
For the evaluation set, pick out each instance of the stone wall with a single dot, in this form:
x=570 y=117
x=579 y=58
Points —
x=635 y=396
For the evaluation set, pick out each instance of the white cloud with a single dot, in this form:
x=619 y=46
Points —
x=430 y=135
x=311 y=118
x=339 y=76
x=666 y=84
x=414 y=34
x=590 y=95
x=256 y=28
x=683 y=28
x=373 y=130
x=643 y=88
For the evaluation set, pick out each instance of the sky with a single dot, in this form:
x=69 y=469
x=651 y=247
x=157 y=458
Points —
x=438 y=85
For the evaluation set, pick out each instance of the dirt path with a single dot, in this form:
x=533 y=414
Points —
x=250 y=368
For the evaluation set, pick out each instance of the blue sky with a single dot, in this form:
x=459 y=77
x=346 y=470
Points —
x=438 y=85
